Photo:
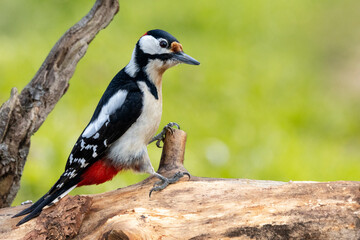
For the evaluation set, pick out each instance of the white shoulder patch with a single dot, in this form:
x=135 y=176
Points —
x=109 y=108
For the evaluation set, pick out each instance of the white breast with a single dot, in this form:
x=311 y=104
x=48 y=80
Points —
x=132 y=145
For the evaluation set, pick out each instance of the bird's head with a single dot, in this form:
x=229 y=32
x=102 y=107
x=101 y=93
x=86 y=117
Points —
x=157 y=51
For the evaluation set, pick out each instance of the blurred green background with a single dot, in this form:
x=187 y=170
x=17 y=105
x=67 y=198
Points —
x=276 y=97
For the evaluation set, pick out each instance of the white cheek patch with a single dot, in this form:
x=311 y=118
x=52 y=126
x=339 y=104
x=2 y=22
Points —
x=150 y=45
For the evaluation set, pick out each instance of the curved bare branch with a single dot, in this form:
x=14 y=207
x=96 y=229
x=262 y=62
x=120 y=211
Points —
x=22 y=115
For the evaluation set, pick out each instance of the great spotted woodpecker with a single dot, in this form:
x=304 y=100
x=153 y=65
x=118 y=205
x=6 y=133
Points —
x=123 y=124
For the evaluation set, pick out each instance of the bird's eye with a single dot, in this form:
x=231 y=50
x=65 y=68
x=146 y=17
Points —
x=163 y=44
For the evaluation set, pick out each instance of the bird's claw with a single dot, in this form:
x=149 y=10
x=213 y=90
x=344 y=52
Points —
x=161 y=136
x=158 y=142
x=170 y=125
x=157 y=183
x=164 y=182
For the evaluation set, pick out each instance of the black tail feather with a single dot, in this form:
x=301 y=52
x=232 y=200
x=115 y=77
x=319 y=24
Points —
x=31 y=208
x=36 y=212
x=32 y=215
x=35 y=209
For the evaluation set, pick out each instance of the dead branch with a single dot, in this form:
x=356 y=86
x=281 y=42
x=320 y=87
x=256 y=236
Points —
x=202 y=208
x=22 y=115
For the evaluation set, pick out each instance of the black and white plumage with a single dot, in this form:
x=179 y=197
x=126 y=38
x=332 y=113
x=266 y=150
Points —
x=124 y=122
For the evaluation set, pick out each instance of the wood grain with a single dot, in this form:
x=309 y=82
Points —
x=204 y=208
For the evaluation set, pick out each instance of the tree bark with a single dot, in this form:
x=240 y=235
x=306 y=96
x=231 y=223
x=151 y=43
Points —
x=22 y=115
x=202 y=208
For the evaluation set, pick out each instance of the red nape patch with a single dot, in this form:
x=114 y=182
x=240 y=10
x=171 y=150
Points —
x=144 y=34
x=97 y=173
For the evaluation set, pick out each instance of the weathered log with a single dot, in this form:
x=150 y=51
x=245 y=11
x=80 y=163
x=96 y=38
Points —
x=22 y=115
x=202 y=208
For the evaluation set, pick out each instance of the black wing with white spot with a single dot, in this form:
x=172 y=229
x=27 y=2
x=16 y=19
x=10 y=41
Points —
x=89 y=149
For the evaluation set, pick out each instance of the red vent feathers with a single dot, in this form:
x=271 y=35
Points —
x=97 y=173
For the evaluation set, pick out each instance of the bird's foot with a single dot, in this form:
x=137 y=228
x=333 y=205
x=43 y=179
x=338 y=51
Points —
x=164 y=182
x=161 y=136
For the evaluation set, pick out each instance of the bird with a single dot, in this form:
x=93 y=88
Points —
x=123 y=124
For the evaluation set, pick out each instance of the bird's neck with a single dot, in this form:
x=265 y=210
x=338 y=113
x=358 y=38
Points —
x=150 y=71
x=154 y=71
x=152 y=75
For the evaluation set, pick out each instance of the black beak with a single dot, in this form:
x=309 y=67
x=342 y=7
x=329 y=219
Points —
x=184 y=58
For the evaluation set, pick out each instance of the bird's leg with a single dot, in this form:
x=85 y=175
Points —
x=161 y=136
x=164 y=182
